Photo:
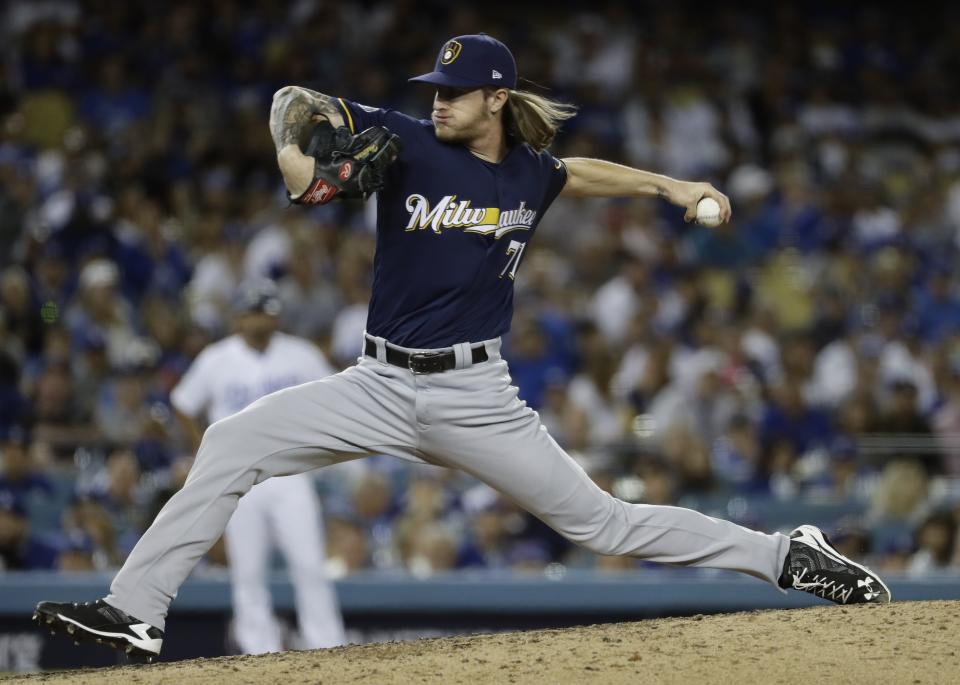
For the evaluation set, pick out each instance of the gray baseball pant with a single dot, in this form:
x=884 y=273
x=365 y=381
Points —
x=468 y=418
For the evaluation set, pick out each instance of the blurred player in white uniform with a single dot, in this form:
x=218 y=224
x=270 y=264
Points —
x=223 y=379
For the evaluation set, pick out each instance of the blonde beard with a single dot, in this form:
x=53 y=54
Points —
x=445 y=134
x=463 y=136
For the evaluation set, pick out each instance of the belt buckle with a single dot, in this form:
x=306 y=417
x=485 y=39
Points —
x=420 y=362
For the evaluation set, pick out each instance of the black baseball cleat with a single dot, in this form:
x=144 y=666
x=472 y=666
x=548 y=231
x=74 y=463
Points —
x=101 y=623
x=815 y=566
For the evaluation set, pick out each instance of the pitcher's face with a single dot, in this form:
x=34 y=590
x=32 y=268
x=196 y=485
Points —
x=462 y=114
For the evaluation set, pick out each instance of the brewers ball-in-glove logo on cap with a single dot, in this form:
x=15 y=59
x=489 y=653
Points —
x=450 y=52
x=473 y=61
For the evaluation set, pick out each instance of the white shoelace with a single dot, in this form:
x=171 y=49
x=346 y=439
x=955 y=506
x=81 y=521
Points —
x=820 y=586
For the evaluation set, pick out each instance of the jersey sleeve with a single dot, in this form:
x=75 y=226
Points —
x=556 y=177
x=359 y=117
x=193 y=393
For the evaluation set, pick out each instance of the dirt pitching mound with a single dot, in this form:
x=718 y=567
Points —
x=910 y=642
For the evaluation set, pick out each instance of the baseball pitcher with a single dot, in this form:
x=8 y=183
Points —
x=459 y=197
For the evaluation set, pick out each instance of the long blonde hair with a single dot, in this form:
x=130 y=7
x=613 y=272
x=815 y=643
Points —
x=533 y=119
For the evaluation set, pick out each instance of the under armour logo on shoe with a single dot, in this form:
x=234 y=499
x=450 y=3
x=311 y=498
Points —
x=870 y=593
x=496 y=74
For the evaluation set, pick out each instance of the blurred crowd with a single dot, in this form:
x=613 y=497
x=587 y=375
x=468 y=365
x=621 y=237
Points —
x=806 y=353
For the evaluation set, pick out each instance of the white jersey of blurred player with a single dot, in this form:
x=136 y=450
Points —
x=225 y=378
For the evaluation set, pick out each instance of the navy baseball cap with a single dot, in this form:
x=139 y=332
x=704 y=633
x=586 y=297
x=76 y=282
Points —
x=473 y=61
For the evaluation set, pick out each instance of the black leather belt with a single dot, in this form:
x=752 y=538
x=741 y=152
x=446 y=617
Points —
x=424 y=362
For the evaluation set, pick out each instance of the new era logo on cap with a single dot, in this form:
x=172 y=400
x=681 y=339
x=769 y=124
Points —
x=496 y=74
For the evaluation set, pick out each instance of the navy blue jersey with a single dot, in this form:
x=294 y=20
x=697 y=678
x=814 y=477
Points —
x=451 y=232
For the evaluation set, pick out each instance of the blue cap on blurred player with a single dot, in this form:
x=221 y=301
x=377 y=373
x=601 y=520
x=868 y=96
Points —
x=473 y=61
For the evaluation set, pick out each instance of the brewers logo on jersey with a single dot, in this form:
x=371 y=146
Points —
x=451 y=213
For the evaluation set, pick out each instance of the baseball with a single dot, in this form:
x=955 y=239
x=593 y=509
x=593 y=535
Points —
x=708 y=212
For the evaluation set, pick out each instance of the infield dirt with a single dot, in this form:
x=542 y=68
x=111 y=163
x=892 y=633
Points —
x=908 y=642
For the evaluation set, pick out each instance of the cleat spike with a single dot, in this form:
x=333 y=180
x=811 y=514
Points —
x=129 y=649
x=71 y=628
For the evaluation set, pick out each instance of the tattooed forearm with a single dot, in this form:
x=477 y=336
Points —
x=294 y=113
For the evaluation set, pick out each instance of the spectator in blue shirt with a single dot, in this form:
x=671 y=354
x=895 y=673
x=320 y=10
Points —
x=788 y=418
x=17 y=474
x=937 y=308
x=533 y=361
x=115 y=105
x=76 y=552
x=21 y=550
x=149 y=260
